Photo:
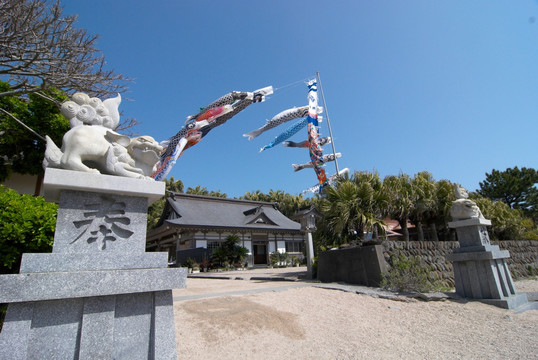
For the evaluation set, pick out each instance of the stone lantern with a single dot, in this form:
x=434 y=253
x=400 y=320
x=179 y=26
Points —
x=308 y=216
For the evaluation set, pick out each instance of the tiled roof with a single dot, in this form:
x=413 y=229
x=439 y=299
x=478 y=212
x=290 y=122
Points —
x=211 y=212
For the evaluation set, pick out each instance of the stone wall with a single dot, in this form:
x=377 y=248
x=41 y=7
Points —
x=523 y=260
x=432 y=253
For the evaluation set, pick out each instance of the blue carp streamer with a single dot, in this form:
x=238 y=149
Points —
x=289 y=132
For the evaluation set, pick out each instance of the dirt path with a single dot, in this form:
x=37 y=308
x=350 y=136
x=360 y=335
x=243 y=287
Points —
x=309 y=322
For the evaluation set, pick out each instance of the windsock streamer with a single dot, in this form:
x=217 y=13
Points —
x=304 y=144
x=314 y=146
x=289 y=132
x=324 y=159
x=164 y=166
x=330 y=181
x=199 y=125
x=280 y=118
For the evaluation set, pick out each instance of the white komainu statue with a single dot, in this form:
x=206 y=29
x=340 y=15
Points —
x=463 y=208
x=92 y=146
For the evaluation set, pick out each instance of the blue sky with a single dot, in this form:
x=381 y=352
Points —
x=450 y=87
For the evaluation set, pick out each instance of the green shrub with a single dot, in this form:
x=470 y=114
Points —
x=205 y=264
x=27 y=225
x=189 y=263
x=294 y=260
x=530 y=229
x=279 y=259
x=406 y=274
x=314 y=267
x=230 y=252
x=219 y=257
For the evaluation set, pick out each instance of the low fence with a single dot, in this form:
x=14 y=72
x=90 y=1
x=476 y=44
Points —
x=197 y=254
x=523 y=261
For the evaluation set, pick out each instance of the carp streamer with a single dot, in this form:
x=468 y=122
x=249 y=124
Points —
x=314 y=148
x=198 y=126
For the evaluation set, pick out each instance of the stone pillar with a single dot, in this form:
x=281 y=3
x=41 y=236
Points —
x=480 y=270
x=309 y=254
x=98 y=295
x=307 y=216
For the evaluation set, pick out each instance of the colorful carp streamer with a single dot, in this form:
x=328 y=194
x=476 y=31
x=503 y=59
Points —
x=324 y=159
x=330 y=181
x=289 y=132
x=280 y=118
x=304 y=144
x=314 y=146
x=198 y=126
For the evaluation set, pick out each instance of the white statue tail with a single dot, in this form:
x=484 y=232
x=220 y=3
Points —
x=53 y=154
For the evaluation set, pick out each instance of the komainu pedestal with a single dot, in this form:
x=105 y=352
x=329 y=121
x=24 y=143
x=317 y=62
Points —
x=480 y=270
x=98 y=295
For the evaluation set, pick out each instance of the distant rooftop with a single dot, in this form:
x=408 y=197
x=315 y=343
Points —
x=196 y=211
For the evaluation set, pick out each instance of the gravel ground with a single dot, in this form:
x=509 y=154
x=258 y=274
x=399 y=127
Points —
x=316 y=323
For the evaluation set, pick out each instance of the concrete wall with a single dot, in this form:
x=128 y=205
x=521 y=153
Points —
x=356 y=265
x=23 y=184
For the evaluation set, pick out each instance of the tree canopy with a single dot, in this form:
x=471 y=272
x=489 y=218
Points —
x=353 y=207
x=202 y=190
x=40 y=48
x=286 y=203
x=156 y=209
x=357 y=205
x=20 y=149
x=43 y=56
x=515 y=187
x=506 y=223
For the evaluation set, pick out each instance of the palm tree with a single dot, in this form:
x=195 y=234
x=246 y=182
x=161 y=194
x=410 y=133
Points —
x=400 y=202
x=444 y=196
x=373 y=198
x=286 y=203
x=257 y=195
x=218 y=194
x=424 y=200
x=174 y=185
x=230 y=252
x=198 y=190
x=349 y=208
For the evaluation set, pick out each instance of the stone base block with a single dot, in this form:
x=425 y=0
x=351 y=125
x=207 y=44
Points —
x=511 y=302
x=61 y=262
x=129 y=326
x=98 y=295
x=61 y=307
x=77 y=284
x=485 y=276
x=57 y=180
x=480 y=270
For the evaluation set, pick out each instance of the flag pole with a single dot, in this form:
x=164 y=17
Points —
x=328 y=122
